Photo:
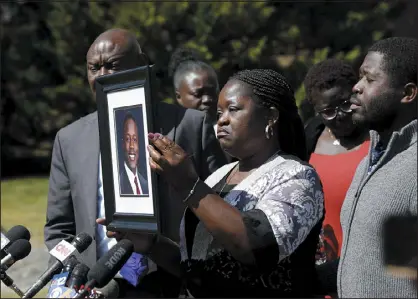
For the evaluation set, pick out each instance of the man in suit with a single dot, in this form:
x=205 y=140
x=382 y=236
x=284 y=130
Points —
x=131 y=181
x=75 y=197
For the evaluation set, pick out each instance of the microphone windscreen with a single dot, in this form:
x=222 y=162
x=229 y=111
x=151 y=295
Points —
x=19 y=249
x=82 y=241
x=18 y=232
x=109 y=264
x=71 y=262
x=111 y=290
x=80 y=270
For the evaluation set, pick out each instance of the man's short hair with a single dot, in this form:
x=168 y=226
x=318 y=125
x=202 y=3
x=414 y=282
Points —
x=128 y=116
x=328 y=74
x=399 y=58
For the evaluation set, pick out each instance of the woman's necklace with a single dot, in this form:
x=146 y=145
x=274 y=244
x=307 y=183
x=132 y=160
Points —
x=235 y=170
x=336 y=141
x=228 y=179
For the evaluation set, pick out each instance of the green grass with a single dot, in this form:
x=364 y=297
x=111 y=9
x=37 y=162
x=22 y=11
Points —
x=23 y=201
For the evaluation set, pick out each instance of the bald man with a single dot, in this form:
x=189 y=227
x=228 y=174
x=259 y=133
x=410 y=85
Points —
x=75 y=198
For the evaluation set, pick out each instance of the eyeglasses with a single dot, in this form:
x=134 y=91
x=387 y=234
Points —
x=331 y=113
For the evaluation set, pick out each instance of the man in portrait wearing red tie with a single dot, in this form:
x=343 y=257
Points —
x=131 y=180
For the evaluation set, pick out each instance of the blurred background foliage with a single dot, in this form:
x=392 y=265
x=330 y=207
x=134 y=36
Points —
x=44 y=43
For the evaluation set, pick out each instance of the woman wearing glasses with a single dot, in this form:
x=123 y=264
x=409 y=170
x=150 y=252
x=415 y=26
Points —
x=336 y=145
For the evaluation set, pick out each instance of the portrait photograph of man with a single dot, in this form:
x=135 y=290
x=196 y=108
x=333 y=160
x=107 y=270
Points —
x=130 y=137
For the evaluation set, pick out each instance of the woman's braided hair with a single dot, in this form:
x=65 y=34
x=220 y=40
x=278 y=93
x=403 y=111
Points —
x=272 y=89
x=186 y=60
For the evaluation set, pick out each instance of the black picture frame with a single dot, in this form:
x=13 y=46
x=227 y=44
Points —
x=115 y=92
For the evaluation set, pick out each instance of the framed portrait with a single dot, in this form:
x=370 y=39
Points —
x=125 y=114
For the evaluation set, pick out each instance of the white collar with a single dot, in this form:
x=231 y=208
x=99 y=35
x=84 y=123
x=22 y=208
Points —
x=131 y=175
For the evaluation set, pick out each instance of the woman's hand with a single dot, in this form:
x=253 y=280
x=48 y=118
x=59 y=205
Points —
x=142 y=242
x=170 y=160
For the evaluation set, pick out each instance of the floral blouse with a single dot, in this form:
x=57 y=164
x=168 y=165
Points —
x=282 y=205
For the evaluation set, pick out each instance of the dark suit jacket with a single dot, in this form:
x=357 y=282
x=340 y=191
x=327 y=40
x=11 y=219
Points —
x=125 y=185
x=73 y=183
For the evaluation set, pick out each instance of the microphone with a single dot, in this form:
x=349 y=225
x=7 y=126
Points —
x=17 y=251
x=107 y=266
x=10 y=283
x=61 y=279
x=61 y=292
x=111 y=290
x=4 y=241
x=69 y=265
x=15 y=233
x=78 y=277
x=58 y=288
x=62 y=251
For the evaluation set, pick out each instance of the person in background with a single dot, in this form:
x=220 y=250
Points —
x=251 y=229
x=195 y=82
x=385 y=182
x=336 y=144
x=306 y=110
x=75 y=196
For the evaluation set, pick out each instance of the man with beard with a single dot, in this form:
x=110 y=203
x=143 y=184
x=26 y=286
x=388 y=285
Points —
x=75 y=197
x=385 y=182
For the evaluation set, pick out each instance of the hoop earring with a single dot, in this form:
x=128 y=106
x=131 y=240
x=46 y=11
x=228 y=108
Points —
x=269 y=131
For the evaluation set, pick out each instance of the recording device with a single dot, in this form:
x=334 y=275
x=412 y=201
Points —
x=15 y=233
x=78 y=277
x=15 y=252
x=107 y=267
x=400 y=237
x=61 y=252
x=10 y=283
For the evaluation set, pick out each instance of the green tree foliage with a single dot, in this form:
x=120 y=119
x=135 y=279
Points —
x=43 y=70
x=289 y=37
x=44 y=46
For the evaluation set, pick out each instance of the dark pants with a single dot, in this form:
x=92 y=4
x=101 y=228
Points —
x=158 y=284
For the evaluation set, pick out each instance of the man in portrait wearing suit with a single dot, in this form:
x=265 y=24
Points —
x=131 y=181
x=75 y=196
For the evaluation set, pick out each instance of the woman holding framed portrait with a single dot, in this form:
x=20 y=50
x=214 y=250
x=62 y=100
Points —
x=251 y=229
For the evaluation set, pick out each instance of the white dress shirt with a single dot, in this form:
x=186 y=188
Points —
x=103 y=242
x=131 y=178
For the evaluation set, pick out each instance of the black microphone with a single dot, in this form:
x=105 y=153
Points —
x=111 y=290
x=107 y=267
x=78 y=277
x=15 y=233
x=62 y=251
x=70 y=265
x=15 y=252
x=10 y=283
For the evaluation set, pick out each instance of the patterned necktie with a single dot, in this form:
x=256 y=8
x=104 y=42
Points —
x=138 y=192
